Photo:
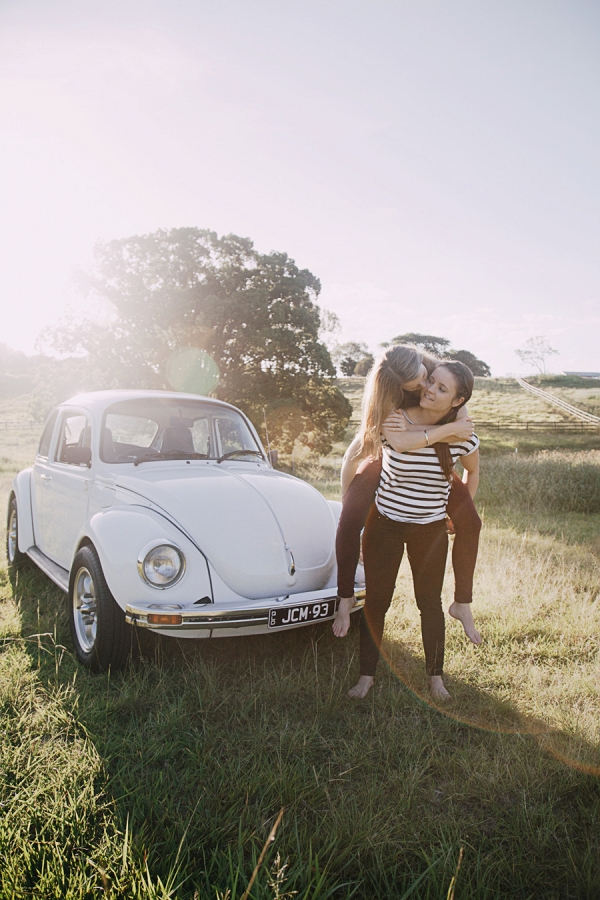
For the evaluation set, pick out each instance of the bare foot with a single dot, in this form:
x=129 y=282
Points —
x=436 y=686
x=462 y=612
x=341 y=623
x=362 y=687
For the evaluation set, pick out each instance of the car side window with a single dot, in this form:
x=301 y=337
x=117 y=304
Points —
x=201 y=436
x=47 y=435
x=74 y=439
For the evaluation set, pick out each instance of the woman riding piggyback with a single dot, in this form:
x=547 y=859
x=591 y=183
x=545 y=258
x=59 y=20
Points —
x=407 y=410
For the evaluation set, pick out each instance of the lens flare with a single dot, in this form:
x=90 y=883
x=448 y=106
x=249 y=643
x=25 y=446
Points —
x=193 y=371
x=495 y=717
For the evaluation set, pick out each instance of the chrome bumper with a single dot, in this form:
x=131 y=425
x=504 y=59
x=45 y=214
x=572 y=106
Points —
x=212 y=617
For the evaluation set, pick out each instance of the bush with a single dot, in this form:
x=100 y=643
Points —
x=549 y=481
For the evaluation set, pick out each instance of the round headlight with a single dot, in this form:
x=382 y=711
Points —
x=162 y=566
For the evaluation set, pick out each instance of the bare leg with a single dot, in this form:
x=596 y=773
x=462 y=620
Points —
x=436 y=686
x=341 y=623
x=362 y=687
x=462 y=612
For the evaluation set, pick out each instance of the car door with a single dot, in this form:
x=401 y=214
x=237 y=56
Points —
x=41 y=478
x=66 y=493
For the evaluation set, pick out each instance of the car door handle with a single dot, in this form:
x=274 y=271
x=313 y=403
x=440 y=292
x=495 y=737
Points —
x=46 y=477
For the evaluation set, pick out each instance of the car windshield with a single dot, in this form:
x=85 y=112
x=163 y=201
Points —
x=165 y=428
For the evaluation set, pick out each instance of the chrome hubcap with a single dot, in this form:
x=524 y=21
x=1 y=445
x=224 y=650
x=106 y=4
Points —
x=12 y=536
x=85 y=612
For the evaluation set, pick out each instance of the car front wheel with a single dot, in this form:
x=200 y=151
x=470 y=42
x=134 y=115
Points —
x=13 y=554
x=101 y=637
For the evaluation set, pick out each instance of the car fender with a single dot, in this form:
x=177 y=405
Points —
x=21 y=488
x=121 y=535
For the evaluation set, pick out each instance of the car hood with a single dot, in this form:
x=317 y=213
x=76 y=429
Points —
x=264 y=532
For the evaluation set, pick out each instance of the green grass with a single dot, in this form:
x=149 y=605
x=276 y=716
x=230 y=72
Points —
x=526 y=443
x=165 y=781
x=193 y=753
x=563 y=381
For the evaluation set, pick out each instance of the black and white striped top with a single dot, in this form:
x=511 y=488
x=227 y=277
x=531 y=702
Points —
x=413 y=487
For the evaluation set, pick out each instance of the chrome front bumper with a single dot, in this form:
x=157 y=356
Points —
x=213 y=617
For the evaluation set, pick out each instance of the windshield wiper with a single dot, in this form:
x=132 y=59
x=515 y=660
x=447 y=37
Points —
x=169 y=454
x=233 y=453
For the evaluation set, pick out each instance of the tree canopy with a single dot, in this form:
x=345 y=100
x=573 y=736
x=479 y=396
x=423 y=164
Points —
x=428 y=342
x=440 y=347
x=477 y=366
x=255 y=315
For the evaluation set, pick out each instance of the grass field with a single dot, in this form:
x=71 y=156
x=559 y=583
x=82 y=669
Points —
x=497 y=399
x=587 y=399
x=493 y=400
x=166 y=780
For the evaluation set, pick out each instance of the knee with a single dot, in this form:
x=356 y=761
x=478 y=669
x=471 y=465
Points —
x=430 y=606
x=375 y=608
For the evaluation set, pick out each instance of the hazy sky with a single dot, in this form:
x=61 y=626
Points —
x=435 y=164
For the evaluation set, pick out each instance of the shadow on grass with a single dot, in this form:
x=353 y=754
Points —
x=203 y=742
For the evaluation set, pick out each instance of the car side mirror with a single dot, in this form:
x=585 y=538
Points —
x=78 y=456
x=272 y=456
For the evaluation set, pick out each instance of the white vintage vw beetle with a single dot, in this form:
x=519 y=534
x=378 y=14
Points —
x=162 y=510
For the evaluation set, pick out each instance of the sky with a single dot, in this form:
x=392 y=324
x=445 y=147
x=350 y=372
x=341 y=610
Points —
x=435 y=164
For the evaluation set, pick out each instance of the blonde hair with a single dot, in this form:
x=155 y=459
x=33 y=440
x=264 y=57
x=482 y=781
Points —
x=384 y=392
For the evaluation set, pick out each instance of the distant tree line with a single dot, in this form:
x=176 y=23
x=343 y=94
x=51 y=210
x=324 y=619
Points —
x=16 y=372
x=355 y=359
x=441 y=348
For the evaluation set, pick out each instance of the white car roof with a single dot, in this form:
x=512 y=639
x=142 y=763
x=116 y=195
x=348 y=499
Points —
x=95 y=401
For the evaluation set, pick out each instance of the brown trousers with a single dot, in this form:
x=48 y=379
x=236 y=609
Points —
x=383 y=547
x=357 y=503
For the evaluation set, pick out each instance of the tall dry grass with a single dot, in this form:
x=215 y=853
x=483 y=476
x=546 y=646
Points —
x=545 y=482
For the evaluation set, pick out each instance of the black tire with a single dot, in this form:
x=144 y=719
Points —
x=14 y=557
x=101 y=637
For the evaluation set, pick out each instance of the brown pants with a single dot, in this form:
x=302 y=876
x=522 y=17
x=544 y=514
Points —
x=383 y=547
x=357 y=503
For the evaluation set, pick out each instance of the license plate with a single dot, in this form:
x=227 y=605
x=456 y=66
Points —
x=307 y=612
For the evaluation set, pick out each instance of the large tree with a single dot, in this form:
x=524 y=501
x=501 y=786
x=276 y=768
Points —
x=255 y=315
x=477 y=366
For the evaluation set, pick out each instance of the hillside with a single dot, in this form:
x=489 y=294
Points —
x=501 y=400
x=497 y=399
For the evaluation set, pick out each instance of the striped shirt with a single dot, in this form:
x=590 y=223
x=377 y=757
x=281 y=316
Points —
x=413 y=487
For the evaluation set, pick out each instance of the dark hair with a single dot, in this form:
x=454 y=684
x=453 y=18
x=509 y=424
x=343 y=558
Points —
x=464 y=389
